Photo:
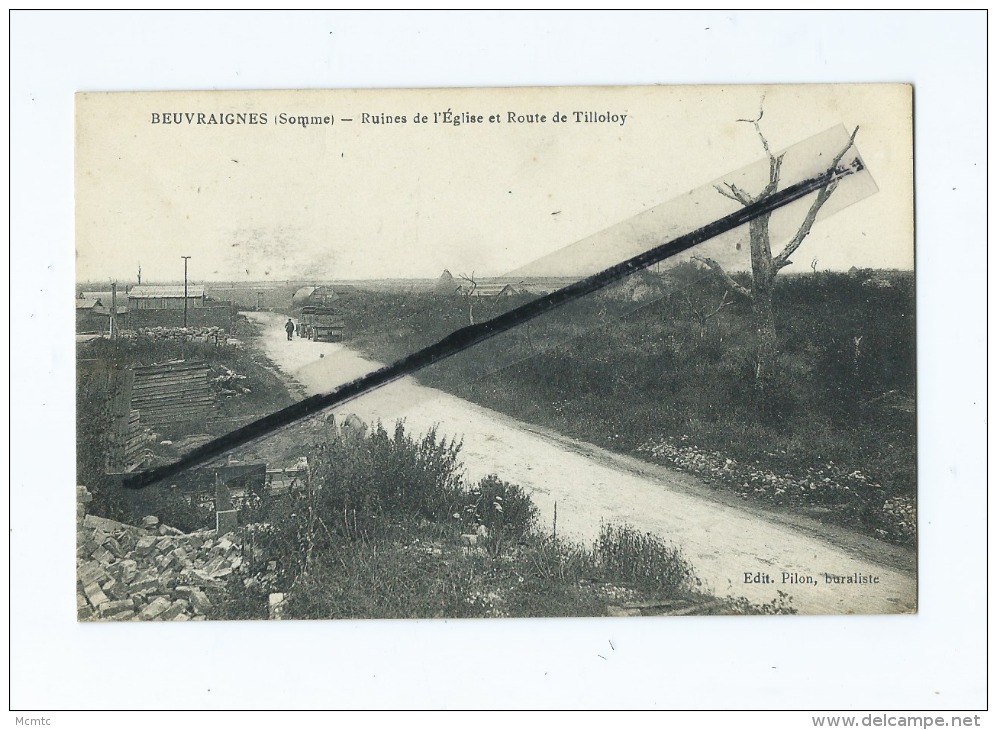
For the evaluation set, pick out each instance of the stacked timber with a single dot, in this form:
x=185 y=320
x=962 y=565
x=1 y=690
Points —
x=128 y=442
x=172 y=392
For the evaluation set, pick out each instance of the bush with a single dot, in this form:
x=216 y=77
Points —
x=624 y=554
x=499 y=506
x=360 y=480
x=357 y=489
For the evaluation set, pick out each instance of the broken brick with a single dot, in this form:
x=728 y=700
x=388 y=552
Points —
x=121 y=614
x=200 y=602
x=145 y=545
x=116 y=590
x=154 y=609
x=129 y=569
x=145 y=580
x=112 y=607
x=175 y=609
x=102 y=556
x=91 y=572
x=95 y=595
x=114 y=547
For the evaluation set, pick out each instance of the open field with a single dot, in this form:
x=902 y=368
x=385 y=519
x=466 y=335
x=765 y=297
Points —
x=671 y=380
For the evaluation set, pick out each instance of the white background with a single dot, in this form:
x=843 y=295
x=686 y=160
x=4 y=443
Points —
x=935 y=659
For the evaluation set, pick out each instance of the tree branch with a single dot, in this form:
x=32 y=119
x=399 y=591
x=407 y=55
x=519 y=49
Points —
x=756 y=122
x=735 y=193
x=724 y=302
x=469 y=295
x=724 y=277
x=775 y=165
x=470 y=280
x=782 y=260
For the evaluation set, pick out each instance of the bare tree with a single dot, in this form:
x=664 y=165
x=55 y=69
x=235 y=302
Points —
x=703 y=312
x=468 y=293
x=765 y=265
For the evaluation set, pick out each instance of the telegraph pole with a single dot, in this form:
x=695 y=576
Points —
x=185 y=290
x=114 y=310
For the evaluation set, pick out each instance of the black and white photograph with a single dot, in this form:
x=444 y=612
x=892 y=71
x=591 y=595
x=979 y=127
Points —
x=488 y=353
x=469 y=360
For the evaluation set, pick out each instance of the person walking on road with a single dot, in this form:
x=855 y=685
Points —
x=289 y=327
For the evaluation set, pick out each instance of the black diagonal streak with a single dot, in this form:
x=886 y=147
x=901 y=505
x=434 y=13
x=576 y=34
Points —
x=467 y=337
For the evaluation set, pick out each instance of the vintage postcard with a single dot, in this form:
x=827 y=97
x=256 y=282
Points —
x=531 y=352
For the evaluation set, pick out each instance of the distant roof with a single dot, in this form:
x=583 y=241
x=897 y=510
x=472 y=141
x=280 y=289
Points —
x=104 y=296
x=87 y=302
x=488 y=290
x=302 y=294
x=194 y=291
x=307 y=294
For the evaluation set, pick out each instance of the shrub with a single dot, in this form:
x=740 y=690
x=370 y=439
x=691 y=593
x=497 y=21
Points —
x=360 y=480
x=356 y=489
x=499 y=506
x=624 y=554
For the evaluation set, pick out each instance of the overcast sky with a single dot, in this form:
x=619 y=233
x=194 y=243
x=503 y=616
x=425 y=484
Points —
x=364 y=200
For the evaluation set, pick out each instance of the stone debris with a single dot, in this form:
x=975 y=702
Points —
x=229 y=382
x=134 y=573
x=621 y=612
x=276 y=606
x=155 y=609
x=213 y=335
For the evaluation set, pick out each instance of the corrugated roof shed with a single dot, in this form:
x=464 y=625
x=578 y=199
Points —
x=488 y=290
x=86 y=302
x=301 y=296
x=194 y=291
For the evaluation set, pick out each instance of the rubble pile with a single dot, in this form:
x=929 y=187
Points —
x=213 y=335
x=228 y=382
x=153 y=572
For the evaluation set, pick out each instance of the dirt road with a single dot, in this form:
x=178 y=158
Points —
x=735 y=551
